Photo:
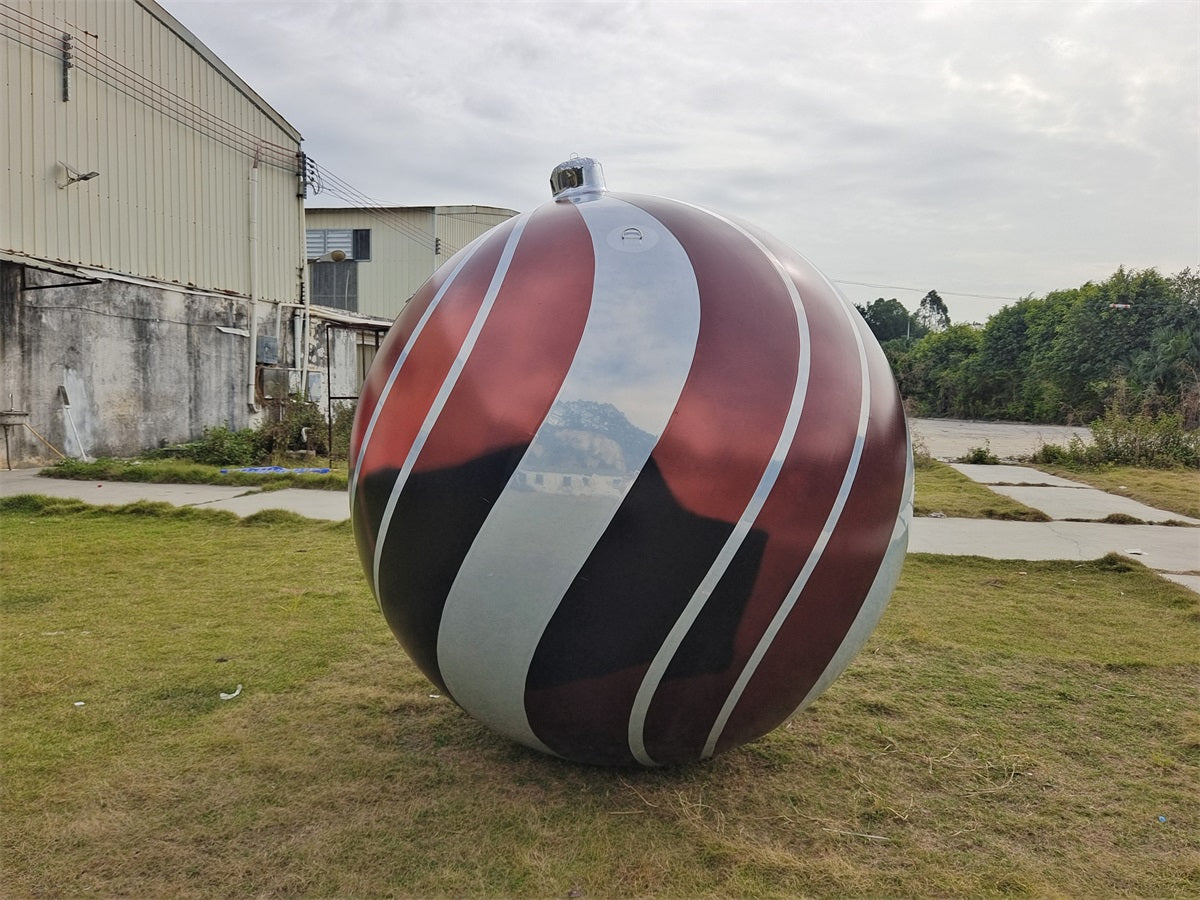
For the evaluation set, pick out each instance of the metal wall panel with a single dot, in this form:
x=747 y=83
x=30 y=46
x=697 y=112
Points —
x=173 y=133
x=403 y=240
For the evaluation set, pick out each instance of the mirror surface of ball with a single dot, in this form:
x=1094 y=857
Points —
x=631 y=480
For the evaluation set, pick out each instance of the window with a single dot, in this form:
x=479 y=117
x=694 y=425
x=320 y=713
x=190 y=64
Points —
x=335 y=284
x=354 y=242
x=362 y=243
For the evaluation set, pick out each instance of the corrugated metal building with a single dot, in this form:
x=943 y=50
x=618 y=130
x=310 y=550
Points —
x=154 y=275
x=151 y=231
x=390 y=251
x=179 y=149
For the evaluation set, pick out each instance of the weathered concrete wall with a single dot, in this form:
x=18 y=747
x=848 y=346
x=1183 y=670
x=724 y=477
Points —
x=139 y=364
x=333 y=380
x=335 y=354
x=143 y=364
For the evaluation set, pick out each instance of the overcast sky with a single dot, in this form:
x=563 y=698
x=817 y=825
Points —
x=1000 y=149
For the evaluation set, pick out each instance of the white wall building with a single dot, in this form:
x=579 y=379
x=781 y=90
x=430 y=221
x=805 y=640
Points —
x=390 y=251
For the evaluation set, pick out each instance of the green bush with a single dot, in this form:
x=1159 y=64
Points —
x=222 y=447
x=295 y=424
x=343 y=423
x=980 y=456
x=1075 y=453
x=1161 y=442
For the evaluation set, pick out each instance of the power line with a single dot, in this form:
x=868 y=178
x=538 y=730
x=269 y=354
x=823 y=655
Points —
x=50 y=40
x=381 y=212
x=899 y=287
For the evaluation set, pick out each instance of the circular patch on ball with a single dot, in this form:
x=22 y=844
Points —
x=631 y=481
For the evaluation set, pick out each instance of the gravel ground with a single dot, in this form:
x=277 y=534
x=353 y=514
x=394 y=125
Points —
x=953 y=438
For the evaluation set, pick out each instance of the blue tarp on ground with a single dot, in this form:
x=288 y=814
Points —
x=276 y=470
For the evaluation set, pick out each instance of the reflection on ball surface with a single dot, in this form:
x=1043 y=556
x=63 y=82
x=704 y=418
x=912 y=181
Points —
x=630 y=480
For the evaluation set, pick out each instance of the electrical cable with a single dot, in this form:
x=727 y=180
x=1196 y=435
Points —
x=157 y=94
x=106 y=70
x=46 y=39
x=899 y=287
x=380 y=212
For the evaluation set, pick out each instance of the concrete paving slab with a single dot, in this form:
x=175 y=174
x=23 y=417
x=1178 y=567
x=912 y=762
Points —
x=1192 y=582
x=1085 y=503
x=333 y=506
x=1160 y=548
x=315 y=504
x=1012 y=475
x=954 y=438
x=117 y=493
x=1061 y=498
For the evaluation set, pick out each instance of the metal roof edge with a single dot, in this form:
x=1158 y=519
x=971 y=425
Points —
x=443 y=210
x=352 y=320
x=73 y=269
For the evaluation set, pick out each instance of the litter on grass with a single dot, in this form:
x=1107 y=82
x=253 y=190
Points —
x=225 y=696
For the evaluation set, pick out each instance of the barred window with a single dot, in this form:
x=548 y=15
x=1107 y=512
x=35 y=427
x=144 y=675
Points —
x=335 y=284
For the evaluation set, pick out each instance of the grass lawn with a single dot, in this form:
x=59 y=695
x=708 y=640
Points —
x=1010 y=728
x=938 y=488
x=1177 y=490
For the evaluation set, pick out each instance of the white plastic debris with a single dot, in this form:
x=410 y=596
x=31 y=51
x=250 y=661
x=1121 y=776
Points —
x=225 y=696
x=80 y=703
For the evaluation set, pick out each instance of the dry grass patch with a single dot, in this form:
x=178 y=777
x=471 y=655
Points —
x=969 y=750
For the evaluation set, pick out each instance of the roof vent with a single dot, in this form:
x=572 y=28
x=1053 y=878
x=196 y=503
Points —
x=579 y=178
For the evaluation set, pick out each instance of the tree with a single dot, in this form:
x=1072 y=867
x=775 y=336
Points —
x=1106 y=337
x=1004 y=361
x=933 y=313
x=889 y=320
x=1131 y=341
x=942 y=374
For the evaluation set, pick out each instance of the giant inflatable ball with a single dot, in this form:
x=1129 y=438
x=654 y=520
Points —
x=631 y=480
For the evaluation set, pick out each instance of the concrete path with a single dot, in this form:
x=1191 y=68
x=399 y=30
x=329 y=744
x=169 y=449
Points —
x=331 y=505
x=1060 y=498
x=1172 y=551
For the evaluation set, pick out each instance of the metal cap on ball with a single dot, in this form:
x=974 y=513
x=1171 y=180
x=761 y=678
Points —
x=631 y=481
x=579 y=178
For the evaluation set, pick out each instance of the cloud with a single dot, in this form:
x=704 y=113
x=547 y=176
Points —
x=986 y=148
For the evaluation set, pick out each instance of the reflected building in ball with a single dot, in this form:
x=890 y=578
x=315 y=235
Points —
x=630 y=479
